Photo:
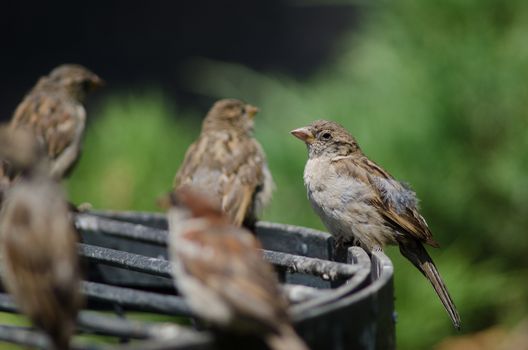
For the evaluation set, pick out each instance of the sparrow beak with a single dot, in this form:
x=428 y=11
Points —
x=97 y=82
x=251 y=111
x=303 y=134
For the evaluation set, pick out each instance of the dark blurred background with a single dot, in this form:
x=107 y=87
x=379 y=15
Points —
x=435 y=92
x=133 y=43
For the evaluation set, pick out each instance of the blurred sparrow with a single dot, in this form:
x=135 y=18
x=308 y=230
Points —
x=228 y=164
x=221 y=273
x=40 y=267
x=53 y=110
x=18 y=152
x=5 y=179
x=360 y=202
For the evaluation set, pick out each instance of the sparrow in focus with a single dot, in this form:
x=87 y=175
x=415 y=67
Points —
x=359 y=202
x=228 y=164
x=219 y=270
x=54 y=112
x=40 y=266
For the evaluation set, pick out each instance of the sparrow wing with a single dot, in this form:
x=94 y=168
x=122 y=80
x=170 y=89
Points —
x=41 y=269
x=234 y=269
x=192 y=160
x=53 y=117
x=244 y=179
x=239 y=191
x=396 y=202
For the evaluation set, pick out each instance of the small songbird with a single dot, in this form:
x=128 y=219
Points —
x=54 y=112
x=220 y=271
x=359 y=202
x=40 y=266
x=228 y=164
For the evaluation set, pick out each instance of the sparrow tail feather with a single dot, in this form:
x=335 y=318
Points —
x=286 y=339
x=240 y=214
x=62 y=342
x=416 y=253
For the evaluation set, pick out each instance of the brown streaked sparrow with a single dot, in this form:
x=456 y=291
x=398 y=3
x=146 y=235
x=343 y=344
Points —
x=40 y=266
x=221 y=273
x=360 y=202
x=53 y=110
x=228 y=164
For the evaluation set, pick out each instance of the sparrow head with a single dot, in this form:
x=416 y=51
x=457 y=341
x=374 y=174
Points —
x=20 y=149
x=190 y=201
x=323 y=137
x=74 y=79
x=231 y=114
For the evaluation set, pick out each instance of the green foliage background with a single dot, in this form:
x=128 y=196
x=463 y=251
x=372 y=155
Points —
x=434 y=91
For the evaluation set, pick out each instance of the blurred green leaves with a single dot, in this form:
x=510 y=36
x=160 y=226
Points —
x=435 y=92
x=132 y=152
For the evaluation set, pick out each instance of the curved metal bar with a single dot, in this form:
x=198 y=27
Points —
x=24 y=336
x=327 y=270
x=7 y=304
x=355 y=310
x=381 y=273
x=274 y=236
x=362 y=260
x=36 y=340
x=151 y=219
x=93 y=322
x=138 y=232
x=134 y=262
x=361 y=320
x=138 y=300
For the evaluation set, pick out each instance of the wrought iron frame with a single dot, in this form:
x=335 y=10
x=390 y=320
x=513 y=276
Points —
x=341 y=299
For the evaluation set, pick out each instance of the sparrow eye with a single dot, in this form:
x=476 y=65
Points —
x=326 y=136
x=86 y=85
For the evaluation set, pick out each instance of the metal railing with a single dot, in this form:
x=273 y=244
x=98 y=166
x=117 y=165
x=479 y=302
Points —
x=339 y=299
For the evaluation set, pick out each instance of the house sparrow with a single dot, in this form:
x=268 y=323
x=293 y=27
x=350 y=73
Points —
x=228 y=164
x=40 y=267
x=221 y=273
x=53 y=110
x=360 y=202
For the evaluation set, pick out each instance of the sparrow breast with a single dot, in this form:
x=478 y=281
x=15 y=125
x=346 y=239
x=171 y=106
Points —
x=344 y=205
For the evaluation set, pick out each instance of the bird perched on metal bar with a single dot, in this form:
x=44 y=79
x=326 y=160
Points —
x=40 y=266
x=358 y=201
x=228 y=164
x=53 y=110
x=221 y=273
